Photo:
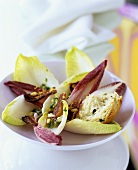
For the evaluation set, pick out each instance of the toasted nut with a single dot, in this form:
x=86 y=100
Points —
x=74 y=110
x=48 y=121
x=33 y=94
x=73 y=85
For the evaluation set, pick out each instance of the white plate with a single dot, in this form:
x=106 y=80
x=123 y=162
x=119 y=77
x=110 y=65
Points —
x=71 y=141
x=20 y=154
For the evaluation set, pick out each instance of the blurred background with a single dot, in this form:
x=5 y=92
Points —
x=124 y=59
x=109 y=31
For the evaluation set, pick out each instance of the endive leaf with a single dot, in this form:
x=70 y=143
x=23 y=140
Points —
x=61 y=126
x=31 y=70
x=87 y=127
x=88 y=84
x=77 y=62
x=47 y=104
x=42 y=120
x=65 y=86
x=17 y=109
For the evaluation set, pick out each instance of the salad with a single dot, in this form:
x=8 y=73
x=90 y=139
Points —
x=78 y=105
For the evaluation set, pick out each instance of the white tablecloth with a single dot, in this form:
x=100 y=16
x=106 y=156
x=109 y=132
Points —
x=12 y=24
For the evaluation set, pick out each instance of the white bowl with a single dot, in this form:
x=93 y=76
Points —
x=71 y=141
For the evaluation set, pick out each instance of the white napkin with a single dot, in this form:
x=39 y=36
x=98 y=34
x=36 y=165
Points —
x=66 y=23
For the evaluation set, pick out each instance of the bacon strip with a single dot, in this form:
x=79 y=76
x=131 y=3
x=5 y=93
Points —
x=59 y=107
x=30 y=120
x=28 y=90
x=39 y=98
x=74 y=109
x=46 y=135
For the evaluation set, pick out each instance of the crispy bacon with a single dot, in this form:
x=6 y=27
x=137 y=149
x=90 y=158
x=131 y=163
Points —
x=74 y=109
x=38 y=98
x=32 y=94
x=30 y=120
x=58 y=110
x=46 y=135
